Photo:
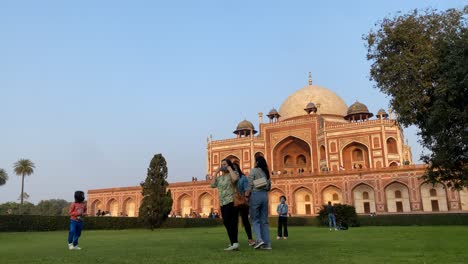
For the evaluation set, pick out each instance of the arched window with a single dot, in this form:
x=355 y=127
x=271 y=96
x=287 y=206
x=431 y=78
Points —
x=301 y=160
x=392 y=146
x=335 y=197
x=433 y=192
x=357 y=155
x=322 y=153
x=365 y=195
x=397 y=194
x=288 y=160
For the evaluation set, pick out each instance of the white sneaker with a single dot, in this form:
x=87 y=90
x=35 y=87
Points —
x=76 y=248
x=234 y=246
x=70 y=246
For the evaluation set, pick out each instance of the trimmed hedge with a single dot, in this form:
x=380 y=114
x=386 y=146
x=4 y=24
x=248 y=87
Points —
x=295 y=221
x=414 y=219
x=21 y=223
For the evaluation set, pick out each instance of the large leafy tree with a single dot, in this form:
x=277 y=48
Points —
x=52 y=207
x=157 y=201
x=23 y=167
x=3 y=176
x=420 y=60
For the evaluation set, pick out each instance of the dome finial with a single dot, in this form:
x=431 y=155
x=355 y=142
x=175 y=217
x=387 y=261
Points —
x=310 y=78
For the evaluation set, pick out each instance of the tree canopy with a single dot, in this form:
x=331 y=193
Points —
x=157 y=202
x=23 y=167
x=3 y=176
x=420 y=60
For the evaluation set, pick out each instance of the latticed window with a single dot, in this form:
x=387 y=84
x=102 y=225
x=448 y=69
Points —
x=398 y=194
x=365 y=195
x=335 y=197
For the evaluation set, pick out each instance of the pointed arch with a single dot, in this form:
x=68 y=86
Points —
x=113 y=207
x=96 y=205
x=185 y=205
x=437 y=202
x=333 y=194
x=129 y=207
x=291 y=154
x=397 y=197
x=363 y=198
x=303 y=200
x=355 y=155
x=392 y=145
x=206 y=203
x=323 y=155
x=274 y=200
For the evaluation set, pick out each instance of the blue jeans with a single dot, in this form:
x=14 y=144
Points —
x=259 y=216
x=75 y=232
x=331 y=220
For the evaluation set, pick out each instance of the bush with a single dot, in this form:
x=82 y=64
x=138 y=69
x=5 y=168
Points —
x=344 y=214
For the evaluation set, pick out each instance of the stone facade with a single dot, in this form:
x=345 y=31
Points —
x=318 y=155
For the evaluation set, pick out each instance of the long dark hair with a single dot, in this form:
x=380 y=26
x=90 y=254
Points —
x=236 y=167
x=262 y=164
x=79 y=197
x=229 y=162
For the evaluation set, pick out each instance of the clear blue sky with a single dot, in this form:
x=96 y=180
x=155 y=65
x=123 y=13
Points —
x=91 y=90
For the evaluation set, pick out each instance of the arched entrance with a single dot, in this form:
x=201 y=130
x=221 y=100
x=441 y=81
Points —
x=206 y=204
x=185 y=205
x=274 y=200
x=355 y=156
x=364 y=199
x=434 y=198
x=113 y=207
x=303 y=202
x=95 y=207
x=291 y=157
x=397 y=195
x=129 y=207
x=332 y=194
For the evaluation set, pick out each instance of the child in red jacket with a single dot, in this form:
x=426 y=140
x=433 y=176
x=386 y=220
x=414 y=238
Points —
x=77 y=212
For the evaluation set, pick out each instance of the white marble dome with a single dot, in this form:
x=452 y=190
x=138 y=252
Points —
x=329 y=102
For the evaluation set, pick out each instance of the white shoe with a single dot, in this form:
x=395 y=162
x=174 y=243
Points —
x=234 y=246
x=70 y=246
x=76 y=248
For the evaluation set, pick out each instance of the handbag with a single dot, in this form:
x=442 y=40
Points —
x=239 y=200
x=260 y=183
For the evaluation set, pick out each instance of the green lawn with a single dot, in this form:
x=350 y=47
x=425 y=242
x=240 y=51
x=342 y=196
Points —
x=445 y=244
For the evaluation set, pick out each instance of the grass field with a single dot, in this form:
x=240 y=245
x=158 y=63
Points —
x=445 y=244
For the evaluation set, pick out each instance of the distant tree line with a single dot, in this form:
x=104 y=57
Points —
x=45 y=207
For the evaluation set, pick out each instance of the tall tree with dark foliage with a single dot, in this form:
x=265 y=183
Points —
x=420 y=60
x=157 y=201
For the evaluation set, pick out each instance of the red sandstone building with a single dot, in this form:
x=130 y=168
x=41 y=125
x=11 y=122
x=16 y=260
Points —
x=318 y=150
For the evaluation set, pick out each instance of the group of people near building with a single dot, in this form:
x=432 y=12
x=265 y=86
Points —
x=233 y=185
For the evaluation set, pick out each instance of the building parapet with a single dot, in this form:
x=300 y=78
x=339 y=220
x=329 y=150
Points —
x=354 y=124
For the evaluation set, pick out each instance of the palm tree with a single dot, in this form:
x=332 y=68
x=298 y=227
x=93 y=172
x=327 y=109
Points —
x=3 y=176
x=23 y=167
